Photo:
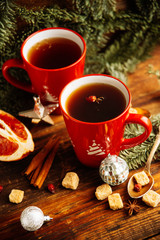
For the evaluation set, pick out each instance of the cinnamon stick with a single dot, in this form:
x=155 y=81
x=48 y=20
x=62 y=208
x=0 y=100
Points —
x=39 y=144
x=46 y=166
x=36 y=173
x=38 y=169
x=39 y=157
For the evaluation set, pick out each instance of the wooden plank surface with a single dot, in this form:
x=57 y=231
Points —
x=78 y=214
x=145 y=87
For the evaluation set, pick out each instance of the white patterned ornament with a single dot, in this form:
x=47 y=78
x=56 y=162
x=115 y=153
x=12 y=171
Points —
x=113 y=170
x=32 y=218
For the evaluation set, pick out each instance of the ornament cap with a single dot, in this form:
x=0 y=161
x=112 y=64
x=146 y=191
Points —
x=47 y=218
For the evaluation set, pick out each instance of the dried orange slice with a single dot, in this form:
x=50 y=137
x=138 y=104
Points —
x=16 y=141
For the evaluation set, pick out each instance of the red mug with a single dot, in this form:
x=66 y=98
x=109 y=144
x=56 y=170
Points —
x=93 y=141
x=46 y=82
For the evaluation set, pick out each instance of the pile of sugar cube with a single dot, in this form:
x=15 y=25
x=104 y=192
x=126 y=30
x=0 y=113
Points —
x=104 y=191
x=151 y=198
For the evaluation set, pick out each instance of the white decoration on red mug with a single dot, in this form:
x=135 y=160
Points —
x=95 y=149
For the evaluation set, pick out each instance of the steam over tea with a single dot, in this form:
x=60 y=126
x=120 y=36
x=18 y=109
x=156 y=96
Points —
x=54 y=53
x=96 y=102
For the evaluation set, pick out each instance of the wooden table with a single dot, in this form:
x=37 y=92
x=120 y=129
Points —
x=78 y=214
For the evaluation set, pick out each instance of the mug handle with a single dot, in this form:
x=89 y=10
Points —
x=12 y=80
x=138 y=119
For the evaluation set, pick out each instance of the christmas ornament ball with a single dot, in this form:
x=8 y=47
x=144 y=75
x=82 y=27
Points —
x=113 y=170
x=32 y=218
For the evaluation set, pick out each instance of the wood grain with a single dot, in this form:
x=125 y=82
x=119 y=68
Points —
x=78 y=214
x=145 y=87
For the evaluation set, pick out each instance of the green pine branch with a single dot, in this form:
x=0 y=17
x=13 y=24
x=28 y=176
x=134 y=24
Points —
x=137 y=156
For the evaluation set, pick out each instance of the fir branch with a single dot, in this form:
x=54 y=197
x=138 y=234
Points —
x=154 y=72
x=96 y=9
x=137 y=156
x=8 y=26
x=148 y=8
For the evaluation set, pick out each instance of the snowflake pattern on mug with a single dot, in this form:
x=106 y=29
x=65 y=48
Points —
x=95 y=149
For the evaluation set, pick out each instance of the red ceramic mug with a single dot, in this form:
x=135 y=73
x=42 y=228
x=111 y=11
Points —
x=46 y=82
x=93 y=141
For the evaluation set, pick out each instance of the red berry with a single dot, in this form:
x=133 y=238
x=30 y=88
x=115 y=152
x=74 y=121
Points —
x=51 y=188
x=91 y=98
x=1 y=188
x=137 y=187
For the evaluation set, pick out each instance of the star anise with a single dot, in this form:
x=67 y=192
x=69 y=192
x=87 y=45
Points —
x=132 y=207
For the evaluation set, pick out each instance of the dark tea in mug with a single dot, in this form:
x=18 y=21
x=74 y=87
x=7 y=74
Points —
x=95 y=102
x=54 y=53
x=52 y=57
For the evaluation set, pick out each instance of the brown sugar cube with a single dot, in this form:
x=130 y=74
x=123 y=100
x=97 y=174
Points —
x=115 y=201
x=71 y=180
x=103 y=191
x=141 y=178
x=16 y=196
x=151 y=198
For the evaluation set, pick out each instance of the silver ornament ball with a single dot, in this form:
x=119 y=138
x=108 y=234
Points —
x=32 y=218
x=113 y=170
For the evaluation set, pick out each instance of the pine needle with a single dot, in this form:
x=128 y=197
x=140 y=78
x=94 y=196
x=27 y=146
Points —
x=137 y=156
